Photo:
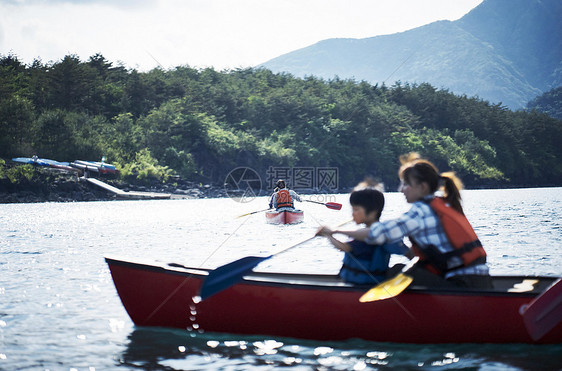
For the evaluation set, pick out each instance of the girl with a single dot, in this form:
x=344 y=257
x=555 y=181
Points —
x=449 y=250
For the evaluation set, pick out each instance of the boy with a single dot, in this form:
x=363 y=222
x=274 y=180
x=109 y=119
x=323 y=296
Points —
x=364 y=263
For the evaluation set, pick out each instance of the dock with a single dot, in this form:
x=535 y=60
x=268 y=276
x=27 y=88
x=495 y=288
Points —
x=128 y=195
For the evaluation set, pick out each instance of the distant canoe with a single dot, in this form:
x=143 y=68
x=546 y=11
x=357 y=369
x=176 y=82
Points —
x=95 y=166
x=284 y=216
x=31 y=161
x=44 y=162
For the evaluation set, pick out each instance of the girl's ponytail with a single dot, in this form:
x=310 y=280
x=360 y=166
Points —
x=451 y=187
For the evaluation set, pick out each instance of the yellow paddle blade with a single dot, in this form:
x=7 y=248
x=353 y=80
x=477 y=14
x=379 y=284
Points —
x=387 y=289
x=253 y=212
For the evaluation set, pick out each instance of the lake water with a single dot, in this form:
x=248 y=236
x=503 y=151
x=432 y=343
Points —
x=59 y=309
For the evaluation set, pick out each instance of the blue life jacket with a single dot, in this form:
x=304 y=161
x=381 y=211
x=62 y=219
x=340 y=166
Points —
x=367 y=264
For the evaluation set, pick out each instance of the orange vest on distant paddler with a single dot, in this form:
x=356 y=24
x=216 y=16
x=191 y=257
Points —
x=461 y=236
x=284 y=199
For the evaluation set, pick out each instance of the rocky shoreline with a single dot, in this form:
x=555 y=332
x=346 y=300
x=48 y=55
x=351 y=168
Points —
x=71 y=188
x=55 y=185
x=48 y=185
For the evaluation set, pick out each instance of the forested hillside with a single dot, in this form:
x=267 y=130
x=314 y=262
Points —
x=549 y=103
x=200 y=124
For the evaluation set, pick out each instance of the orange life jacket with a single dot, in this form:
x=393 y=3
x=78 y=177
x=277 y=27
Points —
x=284 y=199
x=461 y=236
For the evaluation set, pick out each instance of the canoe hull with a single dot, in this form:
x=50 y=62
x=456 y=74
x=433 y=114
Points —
x=321 y=308
x=284 y=217
x=94 y=166
x=44 y=162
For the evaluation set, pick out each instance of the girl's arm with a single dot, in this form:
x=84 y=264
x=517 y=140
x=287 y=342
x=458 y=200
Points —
x=408 y=224
x=390 y=230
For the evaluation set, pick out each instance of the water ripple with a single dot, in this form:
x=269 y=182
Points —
x=60 y=309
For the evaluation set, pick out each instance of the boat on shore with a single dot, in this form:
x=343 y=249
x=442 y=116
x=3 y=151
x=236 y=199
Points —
x=44 y=162
x=284 y=216
x=95 y=166
x=322 y=307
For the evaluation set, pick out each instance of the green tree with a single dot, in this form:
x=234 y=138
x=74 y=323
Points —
x=55 y=134
x=201 y=123
x=16 y=126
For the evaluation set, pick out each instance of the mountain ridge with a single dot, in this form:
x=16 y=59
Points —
x=468 y=56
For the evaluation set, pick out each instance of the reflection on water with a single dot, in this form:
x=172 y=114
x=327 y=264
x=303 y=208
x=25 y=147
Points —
x=154 y=348
x=59 y=308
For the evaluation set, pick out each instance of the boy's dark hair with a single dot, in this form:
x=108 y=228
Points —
x=368 y=198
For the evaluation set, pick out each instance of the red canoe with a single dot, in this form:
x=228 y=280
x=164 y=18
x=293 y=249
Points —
x=284 y=217
x=321 y=307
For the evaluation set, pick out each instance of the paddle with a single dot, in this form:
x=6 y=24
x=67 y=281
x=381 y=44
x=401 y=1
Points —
x=229 y=274
x=329 y=205
x=253 y=212
x=391 y=287
x=544 y=312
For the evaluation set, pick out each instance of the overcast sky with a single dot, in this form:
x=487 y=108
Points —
x=224 y=34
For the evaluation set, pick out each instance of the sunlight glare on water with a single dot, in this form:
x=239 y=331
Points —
x=59 y=308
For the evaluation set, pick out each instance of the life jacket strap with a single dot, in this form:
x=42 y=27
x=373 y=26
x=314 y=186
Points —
x=467 y=247
x=439 y=261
